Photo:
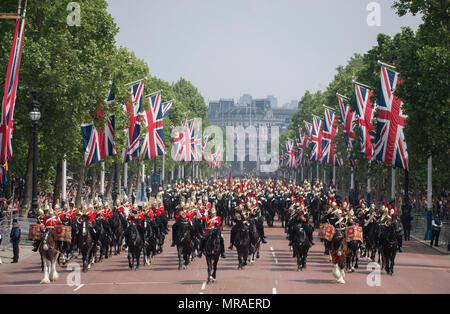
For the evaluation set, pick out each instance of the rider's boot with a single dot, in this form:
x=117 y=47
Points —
x=35 y=245
x=222 y=248
x=200 y=250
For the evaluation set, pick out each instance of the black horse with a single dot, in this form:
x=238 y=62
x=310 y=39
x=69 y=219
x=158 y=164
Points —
x=184 y=244
x=86 y=243
x=66 y=248
x=354 y=248
x=242 y=243
x=255 y=240
x=212 y=252
x=269 y=211
x=117 y=224
x=149 y=240
x=103 y=238
x=370 y=240
x=300 y=245
x=135 y=244
x=316 y=207
x=388 y=242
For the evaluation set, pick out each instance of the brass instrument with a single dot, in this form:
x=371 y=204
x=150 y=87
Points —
x=370 y=220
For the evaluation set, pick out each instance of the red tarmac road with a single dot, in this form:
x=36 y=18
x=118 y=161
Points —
x=418 y=269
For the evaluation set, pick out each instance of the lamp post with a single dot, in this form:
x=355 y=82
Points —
x=35 y=115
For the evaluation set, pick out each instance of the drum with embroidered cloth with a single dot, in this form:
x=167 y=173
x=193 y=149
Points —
x=326 y=232
x=354 y=233
x=34 y=231
x=63 y=233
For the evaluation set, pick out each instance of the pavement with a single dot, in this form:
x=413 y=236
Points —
x=419 y=269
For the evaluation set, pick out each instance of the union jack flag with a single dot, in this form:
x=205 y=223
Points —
x=337 y=160
x=390 y=144
x=177 y=139
x=309 y=128
x=316 y=138
x=98 y=145
x=186 y=152
x=364 y=110
x=133 y=130
x=153 y=142
x=10 y=92
x=328 y=134
x=197 y=144
x=302 y=142
x=348 y=119
x=290 y=155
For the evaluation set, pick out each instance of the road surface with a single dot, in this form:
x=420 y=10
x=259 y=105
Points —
x=419 y=269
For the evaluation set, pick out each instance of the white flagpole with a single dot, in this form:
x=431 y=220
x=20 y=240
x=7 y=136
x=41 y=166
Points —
x=163 y=170
x=317 y=172
x=143 y=183
x=64 y=179
x=393 y=184
x=135 y=82
x=102 y=181
x=352 y=180
x=125 y=178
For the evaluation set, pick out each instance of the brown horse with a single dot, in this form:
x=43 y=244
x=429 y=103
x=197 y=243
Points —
x=49 y=255
x=338 y=253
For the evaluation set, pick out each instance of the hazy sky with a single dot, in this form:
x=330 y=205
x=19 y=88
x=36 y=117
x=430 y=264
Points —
x=263 y=47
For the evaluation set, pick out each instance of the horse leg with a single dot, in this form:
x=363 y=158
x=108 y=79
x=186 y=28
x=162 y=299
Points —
x=179 y=257
x=54 y=274
x=130 y=259
x=46 y=271
x=138 y=259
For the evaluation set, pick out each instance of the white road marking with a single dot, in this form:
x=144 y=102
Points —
x=79 y=287
x=273 y=255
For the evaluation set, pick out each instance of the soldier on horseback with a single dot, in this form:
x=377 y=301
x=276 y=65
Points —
x=212 y=221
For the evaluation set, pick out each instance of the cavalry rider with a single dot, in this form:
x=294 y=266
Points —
x=40 y=214
x=160 y=218
x=211 y=222
x=51 y=220
x=300 y=216
x=240 y=217
x=182 y=216
x=255 y=212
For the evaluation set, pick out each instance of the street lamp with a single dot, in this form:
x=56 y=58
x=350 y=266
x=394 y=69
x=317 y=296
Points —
x=35 y=115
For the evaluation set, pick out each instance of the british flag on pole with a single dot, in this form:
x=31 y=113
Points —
x=290 y=153
x=390 y=144
x=98 y=145
x=308 y=128
x=316 y=138
x=10 y=92
x=364 y=110
x=348 y=119
x=133 y=130
x=153 y=141
x=328 y=134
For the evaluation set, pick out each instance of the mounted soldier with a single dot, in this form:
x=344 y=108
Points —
x=212 y=221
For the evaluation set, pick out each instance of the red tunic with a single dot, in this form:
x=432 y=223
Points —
x=211 y=221
x=51 y=221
